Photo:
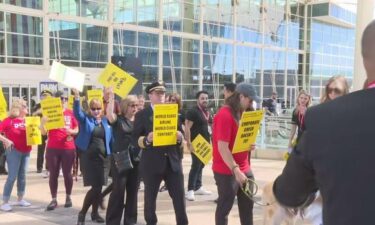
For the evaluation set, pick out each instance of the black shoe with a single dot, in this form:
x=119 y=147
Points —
x=52 y=205
x=68 y=202
x=3 y=171
x=39 y=170
x=81 y=219
x=97 y=218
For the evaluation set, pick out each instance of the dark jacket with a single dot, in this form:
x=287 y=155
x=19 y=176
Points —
x=86 y=127
x=336 y=154
x=153 y=158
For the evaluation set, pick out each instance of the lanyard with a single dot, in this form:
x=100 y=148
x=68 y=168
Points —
x=206 y=114
x=371 y=85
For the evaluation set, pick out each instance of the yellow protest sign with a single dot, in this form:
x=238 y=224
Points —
x=3 y=105
x=95 y=93
x=165 y=124
x=247 y=131
x=70 y=102
x=52 y=109
x=121 y=81
x=33 y=134
x=202 y=149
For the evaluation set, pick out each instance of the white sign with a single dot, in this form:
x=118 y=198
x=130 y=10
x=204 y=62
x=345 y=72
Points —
x=67 y=76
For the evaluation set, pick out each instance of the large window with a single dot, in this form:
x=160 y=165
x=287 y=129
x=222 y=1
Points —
x=181 y=16
x=33 y=4
x=143 y=13
x=97 y=9
x=24 y=39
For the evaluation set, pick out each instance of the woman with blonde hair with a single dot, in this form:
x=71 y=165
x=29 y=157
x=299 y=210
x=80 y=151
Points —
x=298 y=116
x=94 y=140
x=18 y=152
x=335 y=87
x=124 y=178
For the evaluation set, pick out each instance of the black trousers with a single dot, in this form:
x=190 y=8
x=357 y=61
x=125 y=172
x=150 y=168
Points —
x=123 y=182
x=175 y=185
x=40 y=155
x=228 y=189
x=195 y=174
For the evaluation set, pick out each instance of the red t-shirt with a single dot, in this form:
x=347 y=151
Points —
x=15 y=130
x=58 y=138
x=225 y=129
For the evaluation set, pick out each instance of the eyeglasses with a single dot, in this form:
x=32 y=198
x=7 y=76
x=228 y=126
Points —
x=24 y=106
x=173 y=100
x=134 y=105
x=64 y=99
x=336 y=90
x=96 y=109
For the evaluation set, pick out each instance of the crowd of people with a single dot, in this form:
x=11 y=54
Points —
x=115 y=138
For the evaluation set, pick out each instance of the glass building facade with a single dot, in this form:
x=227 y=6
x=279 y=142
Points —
x=276 y=45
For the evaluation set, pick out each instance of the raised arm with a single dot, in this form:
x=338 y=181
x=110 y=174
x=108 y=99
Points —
x=78 y=113
x=112 y=117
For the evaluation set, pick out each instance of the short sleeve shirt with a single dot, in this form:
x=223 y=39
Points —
x=225 y=129
x=200 y=123
x=15 y=130
x=58 y=138
x=296 y=121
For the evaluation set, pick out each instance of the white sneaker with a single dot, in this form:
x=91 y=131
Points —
x=45 y=174
x=6 y=207
x=201 y=191
x=190 y=195
x=23 y=203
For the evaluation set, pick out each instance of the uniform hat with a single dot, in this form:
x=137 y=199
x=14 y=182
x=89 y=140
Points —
x=60 y=94
x=156 y=86
x=46 y=92
x=247 y=90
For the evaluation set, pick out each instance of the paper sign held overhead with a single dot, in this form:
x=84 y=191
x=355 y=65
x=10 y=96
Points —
x=67 y=76
x=121 y=81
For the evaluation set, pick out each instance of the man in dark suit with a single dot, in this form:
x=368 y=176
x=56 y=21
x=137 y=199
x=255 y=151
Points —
x=159 y=163
x=336 y=153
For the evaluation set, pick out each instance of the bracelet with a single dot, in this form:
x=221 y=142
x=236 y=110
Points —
x=234 y=167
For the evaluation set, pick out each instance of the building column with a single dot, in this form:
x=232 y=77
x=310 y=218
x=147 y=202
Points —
x=365 y=14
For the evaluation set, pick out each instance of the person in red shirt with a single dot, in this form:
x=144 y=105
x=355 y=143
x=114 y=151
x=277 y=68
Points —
x=61 y=152
x=18 y=152
x=231 y=171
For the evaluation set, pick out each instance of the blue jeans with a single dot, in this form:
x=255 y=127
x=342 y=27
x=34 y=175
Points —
x=17 y=168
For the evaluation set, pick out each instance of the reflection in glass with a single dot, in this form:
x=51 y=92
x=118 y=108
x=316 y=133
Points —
x=68 y=30
x=69 y=49
x=32 y=4
x=94 y=9
x=94 y=33
x=24 y=46
x=24 y=24
x=94 y=52
x=67 y=7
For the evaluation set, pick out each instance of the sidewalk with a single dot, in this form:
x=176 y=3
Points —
x=200 y=212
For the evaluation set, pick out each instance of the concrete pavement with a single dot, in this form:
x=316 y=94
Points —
x=200 y=212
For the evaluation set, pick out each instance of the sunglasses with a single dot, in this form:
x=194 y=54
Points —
x=96 y=109
x=64 y=99
x=337 y=91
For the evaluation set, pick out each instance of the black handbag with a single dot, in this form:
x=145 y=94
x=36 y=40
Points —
x=122 y=161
